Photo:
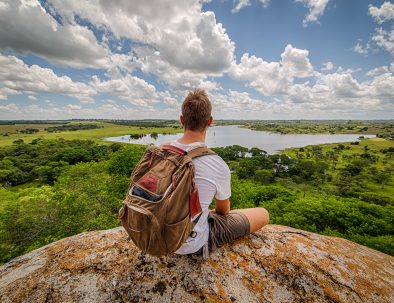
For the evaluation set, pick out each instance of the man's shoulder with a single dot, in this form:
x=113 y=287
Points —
x=213 y=160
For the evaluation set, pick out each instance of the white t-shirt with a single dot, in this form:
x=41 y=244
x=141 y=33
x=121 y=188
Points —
x=213 y=179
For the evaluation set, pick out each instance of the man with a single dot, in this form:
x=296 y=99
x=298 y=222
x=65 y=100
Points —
x=213 y=181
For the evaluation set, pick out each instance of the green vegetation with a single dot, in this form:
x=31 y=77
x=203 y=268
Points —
x=100 y=130
x=384 y=129
x=44 y=160
x=53 y=188
x=72 y=127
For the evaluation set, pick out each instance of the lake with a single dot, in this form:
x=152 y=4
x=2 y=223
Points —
x=221 y=136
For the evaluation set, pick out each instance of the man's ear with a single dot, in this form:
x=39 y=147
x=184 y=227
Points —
x=210 y=121
x=182 y=120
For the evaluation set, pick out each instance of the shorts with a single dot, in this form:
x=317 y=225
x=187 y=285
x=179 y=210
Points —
x=225 y=229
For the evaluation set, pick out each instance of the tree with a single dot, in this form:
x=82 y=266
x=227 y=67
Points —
x=382 y=177
x=264 y=176
x=124 y=160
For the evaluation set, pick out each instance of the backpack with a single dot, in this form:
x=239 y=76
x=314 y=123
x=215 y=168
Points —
x=162 y=205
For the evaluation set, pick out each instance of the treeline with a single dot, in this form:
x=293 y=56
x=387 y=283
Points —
x=71 y=127
x=44 y=160
x=15 y=122
x=383 y=129
x=148 y=123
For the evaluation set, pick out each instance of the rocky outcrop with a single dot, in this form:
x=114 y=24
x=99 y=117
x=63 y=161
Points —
x=276 y=264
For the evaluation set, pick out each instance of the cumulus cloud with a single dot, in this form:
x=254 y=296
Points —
x=73 y=111
x=150 y=62
x=185 y=37
x=384 y=39
x=383 y=13
x=378 y=71
x=295 y=62
x=273 y=78
x=132 y=89
x=316 y=10
x=25 y=27
x=331 y=91
x=16 y=77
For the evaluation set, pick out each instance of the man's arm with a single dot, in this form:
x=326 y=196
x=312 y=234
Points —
x=222 y=207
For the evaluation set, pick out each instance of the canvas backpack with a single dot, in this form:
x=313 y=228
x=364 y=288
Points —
x=162 y=204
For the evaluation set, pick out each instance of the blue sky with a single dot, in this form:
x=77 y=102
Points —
x=257 y=59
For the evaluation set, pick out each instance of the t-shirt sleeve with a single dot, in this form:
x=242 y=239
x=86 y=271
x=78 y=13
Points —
x=223 y=182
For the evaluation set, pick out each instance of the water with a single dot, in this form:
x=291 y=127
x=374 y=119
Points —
x=221 y=136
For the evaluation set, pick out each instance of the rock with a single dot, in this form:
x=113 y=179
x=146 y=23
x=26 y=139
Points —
x=276 y=264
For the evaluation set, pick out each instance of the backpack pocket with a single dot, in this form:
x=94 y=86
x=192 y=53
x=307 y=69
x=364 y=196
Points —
x=139 y=225
x=176 y=234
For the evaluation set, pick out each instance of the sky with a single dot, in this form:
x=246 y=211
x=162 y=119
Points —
x=138 y=59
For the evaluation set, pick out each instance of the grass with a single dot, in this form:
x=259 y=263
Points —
x=97 y=135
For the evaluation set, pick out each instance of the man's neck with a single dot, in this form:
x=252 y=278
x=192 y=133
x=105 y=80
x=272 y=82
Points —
x=190 y=136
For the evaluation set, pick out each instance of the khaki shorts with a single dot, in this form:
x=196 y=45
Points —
x=225 y=229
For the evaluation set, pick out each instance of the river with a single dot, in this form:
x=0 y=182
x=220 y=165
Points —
x=221 y=136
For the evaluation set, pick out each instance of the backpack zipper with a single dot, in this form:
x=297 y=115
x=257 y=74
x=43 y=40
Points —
x=164 y=195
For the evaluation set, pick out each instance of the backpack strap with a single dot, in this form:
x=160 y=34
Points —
x=174 y=149
x=200 y=151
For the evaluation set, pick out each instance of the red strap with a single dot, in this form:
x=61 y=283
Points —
x=174 y=149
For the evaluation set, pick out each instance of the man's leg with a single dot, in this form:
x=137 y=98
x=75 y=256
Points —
x=237 y=223
x=258 y=217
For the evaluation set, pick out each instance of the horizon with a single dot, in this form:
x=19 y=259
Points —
x=177 y=120
x=263 y=60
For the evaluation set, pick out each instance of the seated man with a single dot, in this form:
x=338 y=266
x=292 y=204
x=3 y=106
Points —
x=213 y=180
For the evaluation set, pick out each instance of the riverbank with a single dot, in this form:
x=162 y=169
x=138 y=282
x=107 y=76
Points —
x=382 y=128
x=28 y=132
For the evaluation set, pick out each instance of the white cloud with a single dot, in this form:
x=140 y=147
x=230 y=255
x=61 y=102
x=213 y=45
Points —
x=273 y=78
x=327 y=66
x=17 y=77
x=382 y=87
x=316 y=10
x=321 y=95
x=72 y=107
x=26 y=28
x=31 y=97
x=264 y=3
x=359 y=49
x=240 y=4
x=71 y=111
x=132 y=89
x=185 y=37
x=382 y=14
x=384 y=39
x=378 y=71
x=295 y=62
x=176 y=78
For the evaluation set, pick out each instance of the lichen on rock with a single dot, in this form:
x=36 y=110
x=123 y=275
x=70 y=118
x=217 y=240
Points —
x=276 y=264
